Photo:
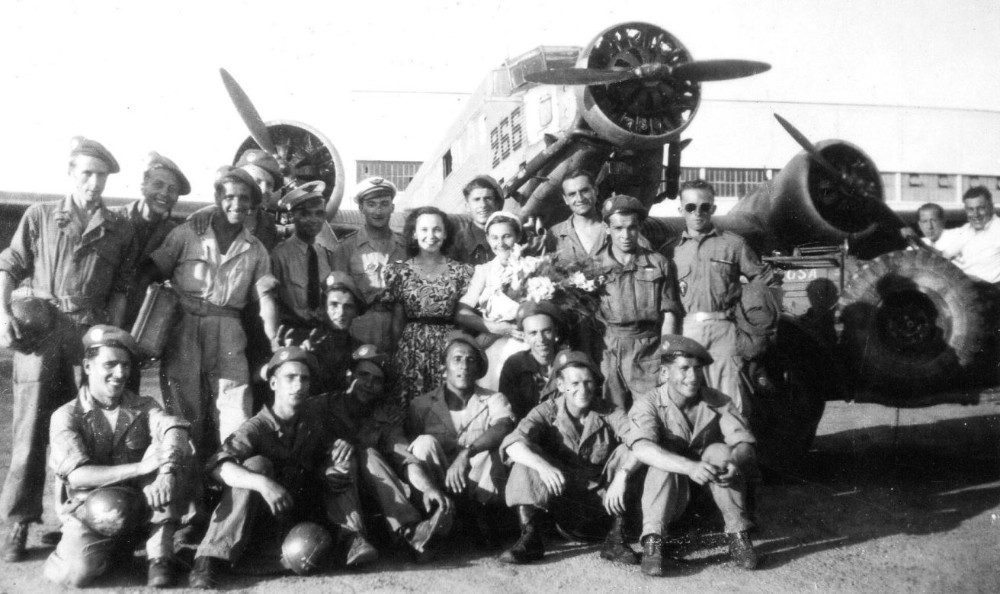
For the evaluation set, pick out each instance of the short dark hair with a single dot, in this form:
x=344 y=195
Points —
x=410 y=226
x=930 y=206
x=481 y=182
x=976 y=192
x=578 y=172
x=698 y=184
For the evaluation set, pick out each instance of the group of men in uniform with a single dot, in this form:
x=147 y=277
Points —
x=294 y=475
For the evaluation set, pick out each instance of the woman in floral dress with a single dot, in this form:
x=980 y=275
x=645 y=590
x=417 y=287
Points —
x=425 y=290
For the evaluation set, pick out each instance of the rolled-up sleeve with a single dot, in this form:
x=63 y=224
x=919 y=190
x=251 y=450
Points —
x=527 y=431
x=168 y=254
x=644 y=423
x=68 y=450
x=240 y=445
x=263 y=281
x=734 y=426
x=500 y=409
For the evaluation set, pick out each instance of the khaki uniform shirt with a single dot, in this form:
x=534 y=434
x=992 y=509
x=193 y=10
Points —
x=290 y=265
x=638 y=293
x=549 y=430
x=227 y=280
x=470 y=246
x=360 y=257
x=381 y=428
x=75 y=267
x=709 y=269
x=80 y=434
x=429 y=415
x=656 y=418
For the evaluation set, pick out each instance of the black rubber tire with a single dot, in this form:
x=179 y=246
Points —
x=913 y=322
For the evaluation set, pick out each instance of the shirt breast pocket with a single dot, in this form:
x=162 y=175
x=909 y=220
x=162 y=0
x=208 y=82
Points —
x=648 y=285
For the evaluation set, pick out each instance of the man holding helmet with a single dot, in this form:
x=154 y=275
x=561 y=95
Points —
x=107 y=444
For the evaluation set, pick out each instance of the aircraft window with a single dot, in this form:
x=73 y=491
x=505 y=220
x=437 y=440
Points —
x=446 y=164
x=545 y=111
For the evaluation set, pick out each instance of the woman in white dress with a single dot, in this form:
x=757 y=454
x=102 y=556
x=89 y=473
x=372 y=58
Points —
x=486 y=308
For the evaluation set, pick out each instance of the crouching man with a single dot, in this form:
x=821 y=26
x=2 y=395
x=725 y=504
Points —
x=121 y=463
x=457 y=429
x=570 y=459
x=373 y=424
x=279 y=468
x=685 y=431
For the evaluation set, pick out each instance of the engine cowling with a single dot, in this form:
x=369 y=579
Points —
x=637 y=114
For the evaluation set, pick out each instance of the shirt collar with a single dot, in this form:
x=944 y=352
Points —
x=713 y=232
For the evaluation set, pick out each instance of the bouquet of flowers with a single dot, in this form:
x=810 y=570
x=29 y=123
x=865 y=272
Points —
x=573 y=287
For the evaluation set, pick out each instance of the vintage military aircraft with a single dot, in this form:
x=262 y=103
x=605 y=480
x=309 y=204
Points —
x=915 y=330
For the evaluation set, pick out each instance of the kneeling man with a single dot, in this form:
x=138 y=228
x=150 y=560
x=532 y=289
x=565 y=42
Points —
x=107 y=445
x=569 y=459
x=279 y=468
x=685 y=431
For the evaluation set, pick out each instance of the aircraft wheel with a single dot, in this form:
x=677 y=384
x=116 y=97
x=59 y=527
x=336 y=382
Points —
x=912 y=322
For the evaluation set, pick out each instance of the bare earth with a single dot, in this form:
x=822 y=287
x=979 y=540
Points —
x=889 y=501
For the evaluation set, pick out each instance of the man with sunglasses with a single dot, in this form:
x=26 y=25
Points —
x=709 y=264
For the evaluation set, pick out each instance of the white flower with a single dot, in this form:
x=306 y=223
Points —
x=540 y=288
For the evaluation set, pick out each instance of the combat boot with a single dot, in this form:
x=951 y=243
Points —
x=615 y=548
x=652 y=555
x=205 y=573
x=529 y=547
x=357 y=550
x=741 y=550
x=160 y=573
x=14 y=546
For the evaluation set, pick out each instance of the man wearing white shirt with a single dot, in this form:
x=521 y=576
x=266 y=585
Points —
x=975 y=247
x=930 y=219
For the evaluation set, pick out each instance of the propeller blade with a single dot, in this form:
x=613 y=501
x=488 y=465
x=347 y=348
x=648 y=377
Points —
x=809 y=147
x=258 y=131
x=579 y=76
x=707 y=70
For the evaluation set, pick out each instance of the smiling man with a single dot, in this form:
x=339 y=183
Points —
x=526 y=378
x=483 y=197
x=638 y=303
x=685 y=431
x=579 y=237
x=365 y=253
x=79 y=257
x=204 y=374
x=975 y=247
x=146 y=469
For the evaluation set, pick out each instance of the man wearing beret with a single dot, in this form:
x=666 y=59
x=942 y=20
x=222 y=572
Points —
x=279 y=468
x=483 y=197
x=300 y=263
x=457 y=428
x=204 y=374
x=638 y=302
x=163 y=183
x=111 y=444
x=709 y=265
x=332 y=344
x=685 y=431
x=365 y=253
x=364 y=416
x=527 y=378
x=569 y=459
x=78 y=256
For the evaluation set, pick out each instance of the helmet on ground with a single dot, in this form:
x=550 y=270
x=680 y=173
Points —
x=35 y=319
x=306 y=548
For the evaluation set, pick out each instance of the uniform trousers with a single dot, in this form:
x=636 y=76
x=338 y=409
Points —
x=719 y=337
x=42 y=382
x=487 y=475
x=665 y=495
x=392 y=494
x=630 y=363
x=204 y=377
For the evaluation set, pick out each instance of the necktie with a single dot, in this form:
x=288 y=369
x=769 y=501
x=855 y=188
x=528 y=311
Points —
x=312 y=287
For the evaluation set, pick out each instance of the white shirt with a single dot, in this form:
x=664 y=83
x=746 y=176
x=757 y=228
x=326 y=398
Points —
x=977 y=253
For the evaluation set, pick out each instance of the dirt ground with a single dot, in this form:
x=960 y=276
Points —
x=888 y=501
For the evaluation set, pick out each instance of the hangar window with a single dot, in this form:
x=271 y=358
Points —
x=915 y=180
x=945 y=181
x=545 y=111
x=398 y=172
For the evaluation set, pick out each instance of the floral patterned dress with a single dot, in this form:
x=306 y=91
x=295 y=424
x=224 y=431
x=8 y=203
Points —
x=429 y=304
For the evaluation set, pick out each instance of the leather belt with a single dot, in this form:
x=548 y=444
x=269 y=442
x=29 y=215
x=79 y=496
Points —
x=709 y=316
x=202 y=308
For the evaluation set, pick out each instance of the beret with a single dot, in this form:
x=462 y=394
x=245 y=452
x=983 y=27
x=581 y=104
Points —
x=672 y=344
x=289 y=354
x=622 y=203
x=503 y=217
x=374 y=187
x=566 y=358
x=454 y=337
x=81 y=145
x=155 y=160
x=228 y=173
x=531 y=308
x=302 y=194
x=265 y=161
x=112 y=336
x=370 y=352
x=339 y=280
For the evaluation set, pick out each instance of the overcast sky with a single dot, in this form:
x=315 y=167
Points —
x=140 y=76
